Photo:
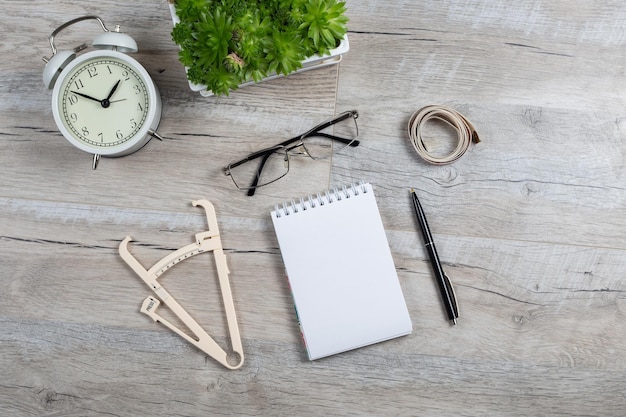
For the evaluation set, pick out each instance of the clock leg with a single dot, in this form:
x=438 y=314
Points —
x=154 y=134
x=96 y=159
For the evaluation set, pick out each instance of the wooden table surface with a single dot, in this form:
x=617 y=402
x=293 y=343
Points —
x=530 y=224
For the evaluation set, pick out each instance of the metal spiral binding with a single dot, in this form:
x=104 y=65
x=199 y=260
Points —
x=320 y=199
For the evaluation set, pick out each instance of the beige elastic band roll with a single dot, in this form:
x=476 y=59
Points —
x=465 y=130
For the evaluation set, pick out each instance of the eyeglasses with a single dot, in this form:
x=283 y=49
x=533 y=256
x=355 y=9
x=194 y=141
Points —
x=273 y=163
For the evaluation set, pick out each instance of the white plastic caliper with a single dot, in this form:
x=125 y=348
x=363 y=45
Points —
x=205 y=242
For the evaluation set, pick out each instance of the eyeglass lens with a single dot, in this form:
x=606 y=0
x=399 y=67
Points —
x=271 y=167
x=321 y=144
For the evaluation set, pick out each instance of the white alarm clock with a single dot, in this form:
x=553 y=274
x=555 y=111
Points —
x=104 y=102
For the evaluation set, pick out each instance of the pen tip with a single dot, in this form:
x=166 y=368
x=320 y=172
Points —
x=454 y=321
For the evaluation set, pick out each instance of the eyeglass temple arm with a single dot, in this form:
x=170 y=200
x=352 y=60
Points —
x=263 y=152
x=330 y=122
x=351 y=142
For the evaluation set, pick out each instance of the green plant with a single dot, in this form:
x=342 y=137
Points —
x=224 y=43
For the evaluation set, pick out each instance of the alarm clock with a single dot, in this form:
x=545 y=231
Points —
x=103 y=102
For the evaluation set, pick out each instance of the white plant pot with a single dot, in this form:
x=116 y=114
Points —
x=312 y=62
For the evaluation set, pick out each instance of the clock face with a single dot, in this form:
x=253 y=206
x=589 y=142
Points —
x=104 y=102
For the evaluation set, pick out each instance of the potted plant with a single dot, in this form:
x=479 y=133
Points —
x=225 y=44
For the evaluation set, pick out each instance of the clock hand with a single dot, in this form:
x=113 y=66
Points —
x=86 y=96
x=113 y=90
x=106 y=103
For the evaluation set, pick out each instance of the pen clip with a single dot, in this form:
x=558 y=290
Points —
x=452 y=294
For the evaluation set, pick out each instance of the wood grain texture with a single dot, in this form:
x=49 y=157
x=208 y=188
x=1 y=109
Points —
x=530 y=224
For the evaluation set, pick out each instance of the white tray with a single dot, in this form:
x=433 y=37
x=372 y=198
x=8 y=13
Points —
x=311 y=62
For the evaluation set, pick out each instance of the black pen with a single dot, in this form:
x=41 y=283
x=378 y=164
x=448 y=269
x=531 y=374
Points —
x=445 y=286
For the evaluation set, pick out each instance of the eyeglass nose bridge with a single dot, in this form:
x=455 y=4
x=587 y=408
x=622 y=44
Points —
x=294 y=147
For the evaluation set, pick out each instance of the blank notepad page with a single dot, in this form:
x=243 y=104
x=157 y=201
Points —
x=341 y=272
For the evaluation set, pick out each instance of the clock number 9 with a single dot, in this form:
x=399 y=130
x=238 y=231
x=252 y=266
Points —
x=74 y=117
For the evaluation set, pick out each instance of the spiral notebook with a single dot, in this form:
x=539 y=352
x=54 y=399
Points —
x=343 y=280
